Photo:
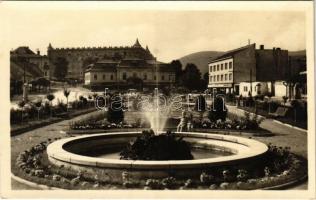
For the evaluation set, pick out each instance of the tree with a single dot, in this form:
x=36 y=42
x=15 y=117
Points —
x=50 y=98
x=218 y=110
x=191 y=77
x=206 y=77
x=38 y=105
x=61 y=68
x=21 y=104
x=66 y=94
x=115 y=113
x=177 y=65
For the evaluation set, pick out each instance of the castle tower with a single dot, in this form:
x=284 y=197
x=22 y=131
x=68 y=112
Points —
x=137 y=44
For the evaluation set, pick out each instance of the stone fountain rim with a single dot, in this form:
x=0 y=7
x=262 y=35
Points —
x=55 y=151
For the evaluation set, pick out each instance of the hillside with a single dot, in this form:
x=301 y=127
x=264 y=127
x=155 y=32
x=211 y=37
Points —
x=200 y=59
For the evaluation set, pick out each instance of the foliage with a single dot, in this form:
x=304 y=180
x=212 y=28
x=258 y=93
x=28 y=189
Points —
x=177 y=65
x=115 y=112
x=218 y=110
x=50 y=97
x=200 y=103
x=191 y=78
x=148 y=146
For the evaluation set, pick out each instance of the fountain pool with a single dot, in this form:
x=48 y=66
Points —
x=78 y=153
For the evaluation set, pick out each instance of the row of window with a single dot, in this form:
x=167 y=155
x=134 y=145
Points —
x=218 y=67
x=223 y=77
x=124 y=77
x=103 y=77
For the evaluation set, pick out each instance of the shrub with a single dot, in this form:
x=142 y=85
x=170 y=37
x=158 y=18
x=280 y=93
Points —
x=200 y=104
x=250 y=122
x=218 y=110
x=157 y=147
x=115 y=113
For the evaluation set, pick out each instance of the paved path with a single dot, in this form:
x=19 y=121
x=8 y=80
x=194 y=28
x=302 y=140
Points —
x=284 y=136
x=28 y=139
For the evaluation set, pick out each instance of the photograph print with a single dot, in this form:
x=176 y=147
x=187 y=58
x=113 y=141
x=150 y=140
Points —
x=199 y=97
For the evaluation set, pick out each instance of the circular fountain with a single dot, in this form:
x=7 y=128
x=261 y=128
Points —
x=79 y=153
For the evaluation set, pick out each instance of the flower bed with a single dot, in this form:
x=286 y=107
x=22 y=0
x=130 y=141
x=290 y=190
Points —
x=280 y=167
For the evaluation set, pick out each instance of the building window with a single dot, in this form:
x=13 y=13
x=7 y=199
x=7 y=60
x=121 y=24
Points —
x=134 y=74
x=230 y=65
x=211 y=68
x=111 y=76
x=230 y=77
x=124 y=76
x=103 y=76
x=95 y=77
x=217 y=67
x=45 y=73
x=217 y=77
x=225 y=65
x=225 y=77
x=145 y=76
x=210 y=79
x=155 y=78
x=221 y=66
x=245 y=88
x=214 y=68
x=222 y=77
x=162 y=77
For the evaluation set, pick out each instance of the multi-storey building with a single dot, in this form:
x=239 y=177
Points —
x=248 y=70
x=79 y=58
x=134 y=65
x=34 y=63
x=128 y=73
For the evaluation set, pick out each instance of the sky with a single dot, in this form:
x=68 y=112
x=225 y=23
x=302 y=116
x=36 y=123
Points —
x=168 y=34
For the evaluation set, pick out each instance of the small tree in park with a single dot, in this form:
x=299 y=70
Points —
x=218 y=110
x=21 y=104
x=50 y=98
x=115 y=112
x=66 y=94
x=200 y=105
x=38 y=105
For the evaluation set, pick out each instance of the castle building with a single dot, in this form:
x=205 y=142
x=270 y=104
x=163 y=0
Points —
x=247 y=70
x=111 y=65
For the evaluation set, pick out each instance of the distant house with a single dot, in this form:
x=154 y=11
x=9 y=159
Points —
x=250 y=71
x=37 y=65
x=26 y=67
x=129 y=73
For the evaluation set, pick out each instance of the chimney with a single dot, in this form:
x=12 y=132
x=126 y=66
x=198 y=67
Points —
x=278 y=49
x=261 y=47
x=38 y=52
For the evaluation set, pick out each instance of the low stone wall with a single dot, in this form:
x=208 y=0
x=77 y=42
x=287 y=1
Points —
x=66 y=152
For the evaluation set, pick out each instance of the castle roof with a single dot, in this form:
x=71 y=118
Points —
x=137 y=44
x=102 y=67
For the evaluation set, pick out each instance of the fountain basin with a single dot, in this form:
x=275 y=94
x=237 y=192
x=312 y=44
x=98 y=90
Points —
x=71 y=153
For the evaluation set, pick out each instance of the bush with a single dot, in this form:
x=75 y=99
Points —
x=157 y=147
x=218 y=110
x=115 y=113
x=200 y=104
x=248 y=122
